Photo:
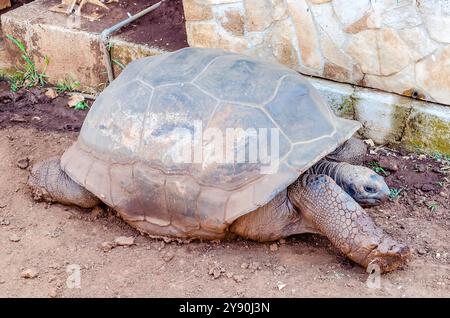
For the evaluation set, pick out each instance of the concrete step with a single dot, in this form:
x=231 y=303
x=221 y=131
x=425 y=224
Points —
x=71 y=44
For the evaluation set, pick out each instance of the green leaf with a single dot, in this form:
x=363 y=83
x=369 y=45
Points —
x=17 y=43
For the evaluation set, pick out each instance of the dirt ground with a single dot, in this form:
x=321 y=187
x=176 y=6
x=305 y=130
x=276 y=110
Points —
x=163 y=28
x=48 y=243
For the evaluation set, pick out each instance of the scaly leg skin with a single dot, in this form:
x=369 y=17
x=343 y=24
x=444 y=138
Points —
x=273 y=221
x=337 y=216
x=49 y=183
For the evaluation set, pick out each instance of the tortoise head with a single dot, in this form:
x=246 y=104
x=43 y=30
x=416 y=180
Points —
x=364 y=185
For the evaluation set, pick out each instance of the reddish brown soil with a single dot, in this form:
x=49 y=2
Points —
x=15 y=4
x=31 y=108
x=422 y=181
x=163 y=28
x=51 y=238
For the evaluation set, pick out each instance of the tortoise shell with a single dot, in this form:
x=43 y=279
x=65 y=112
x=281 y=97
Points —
x=128 y=151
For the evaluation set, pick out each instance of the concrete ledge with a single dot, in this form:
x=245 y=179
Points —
x=389 y=118
x=64 y=40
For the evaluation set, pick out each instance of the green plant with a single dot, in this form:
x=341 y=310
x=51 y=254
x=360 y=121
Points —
x=432 y=206
x=118 y=64
x=377 y=168
x=395 y=193
x=26 y=75
x=440 y=157
x=81 y=105
x=67 y=85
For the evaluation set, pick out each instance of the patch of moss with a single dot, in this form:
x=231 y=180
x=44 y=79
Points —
x=427 y=133
x=399 y=119
x=346 y=108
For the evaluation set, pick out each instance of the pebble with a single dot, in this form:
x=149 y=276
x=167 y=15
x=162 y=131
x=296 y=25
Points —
x=51 y=93
x=23 y=163
x=281 y=285
x=4 y=222
x=273 y=247
x=51 y=279
x=421 y=251
x=107 y=246
x=281 y=268
x=216 y=272
x=369 y=142
x=14 y=238
x=420 y=168
x=255 y=266
x=388 y=164
x=238 y=278
x=282 y=241
x=52 y=293
x=124 y=240
x=427 y=187
x=244 y=265
x=18 y=119
x=54 y=266
x=30 y=273
x=168 y=257
x=422 y=157
x=74 y=99
x=2 y=281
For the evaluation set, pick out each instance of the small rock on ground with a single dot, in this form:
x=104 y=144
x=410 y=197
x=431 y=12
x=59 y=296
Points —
x=53 y=293
x=124 y=240
x=14 y=238
x=30 y=273
x=167 y=257
x=238 y=278
x=23 y=163
x=51 y=93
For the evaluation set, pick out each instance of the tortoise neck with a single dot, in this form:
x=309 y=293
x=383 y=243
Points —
x=329 y=168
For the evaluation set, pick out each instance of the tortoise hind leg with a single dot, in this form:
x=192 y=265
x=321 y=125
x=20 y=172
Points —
x=49 y=183
x=345 y=223
x=275 y=220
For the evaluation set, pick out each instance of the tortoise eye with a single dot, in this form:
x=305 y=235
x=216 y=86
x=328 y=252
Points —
x=370 y=189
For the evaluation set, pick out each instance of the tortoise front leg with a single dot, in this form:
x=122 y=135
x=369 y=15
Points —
x=345 y=223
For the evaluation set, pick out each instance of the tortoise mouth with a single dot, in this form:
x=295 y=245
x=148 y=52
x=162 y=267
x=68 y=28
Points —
x=370 y=202
x=373 y=198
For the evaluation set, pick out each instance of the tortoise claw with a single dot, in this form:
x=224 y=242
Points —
x=388 y=255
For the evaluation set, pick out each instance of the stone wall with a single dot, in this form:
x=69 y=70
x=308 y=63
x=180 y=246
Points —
x=400 y=46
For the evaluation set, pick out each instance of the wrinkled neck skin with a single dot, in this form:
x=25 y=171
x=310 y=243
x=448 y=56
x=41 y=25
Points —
x=332 y=169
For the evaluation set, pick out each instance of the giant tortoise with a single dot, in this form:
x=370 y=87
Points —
x=128 y=157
